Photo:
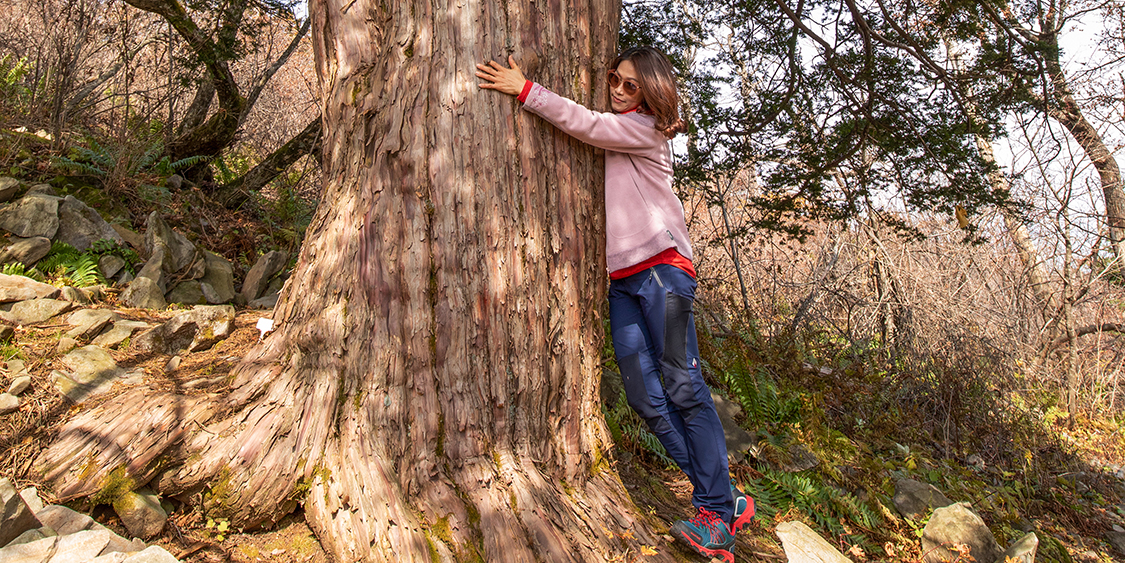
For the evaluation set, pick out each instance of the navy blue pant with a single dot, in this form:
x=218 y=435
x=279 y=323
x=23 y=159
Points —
x=657 y=351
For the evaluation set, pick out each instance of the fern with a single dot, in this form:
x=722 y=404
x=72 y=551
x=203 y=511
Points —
x=831 y=508
x=76 y=166
x=18 y=269
x=65 y=265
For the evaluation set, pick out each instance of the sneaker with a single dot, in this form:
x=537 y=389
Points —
x=743 y=509
x=707 y=534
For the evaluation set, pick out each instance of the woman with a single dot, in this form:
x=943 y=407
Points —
x=652 y=280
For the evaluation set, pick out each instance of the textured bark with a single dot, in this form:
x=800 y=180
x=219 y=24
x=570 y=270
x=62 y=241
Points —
x=236 y=193
x=430 y=391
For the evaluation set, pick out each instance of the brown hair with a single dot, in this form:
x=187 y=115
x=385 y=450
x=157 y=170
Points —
x=658 y=86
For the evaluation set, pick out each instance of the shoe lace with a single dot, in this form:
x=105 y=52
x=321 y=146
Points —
x=709 y=520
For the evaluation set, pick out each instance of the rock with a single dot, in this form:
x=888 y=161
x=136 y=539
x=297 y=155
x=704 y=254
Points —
x=15 y=366
x=913 y=498
x=259 y=275
x=175 y=181
x=802 y=545
x=94 y=292
x=66 y=344
x=31 y=217
x=26 y=251
x=187 y=292
x=956 y=524
x=39 y=551
x=152 y=554
x=800 y=459
x=131 y=237
x=91 y=365
x=32 y=535
x=81 y=546
x=21 y=288
x=81 y=226
x=72 y=294
x=141 y=513
x=1117 y=540
x=9 y=403
x=268 y=301
x=179 y=252
x=193 y=330
x=43 y=190
x=739 y=441
x=1023 y=551
x=124 y=279
x=172 y=364
x=118 y=333
x=144 y=293
x=276 y=284
x=19 y=385
x=111 y=557
x=34 y=311
x=15 y=516
x=31 y=496
x=66 y=521
x=88 y=323
x=8 y=188
x=218 y=279
x=110 y=264
x=7 y=333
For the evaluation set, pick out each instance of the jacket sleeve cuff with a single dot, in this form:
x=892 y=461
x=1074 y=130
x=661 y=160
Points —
x=526 y=90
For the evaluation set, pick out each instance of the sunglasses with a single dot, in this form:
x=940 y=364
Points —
x=630 y=86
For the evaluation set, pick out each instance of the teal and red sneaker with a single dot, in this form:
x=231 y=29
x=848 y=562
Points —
x=743 y=509
x=707 y=534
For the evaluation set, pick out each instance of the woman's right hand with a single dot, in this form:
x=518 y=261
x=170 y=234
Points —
x=507 y=80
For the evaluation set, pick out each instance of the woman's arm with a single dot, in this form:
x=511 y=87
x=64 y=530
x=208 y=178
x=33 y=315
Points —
x=603 y=130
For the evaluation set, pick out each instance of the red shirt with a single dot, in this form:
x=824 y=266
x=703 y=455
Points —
x=669 y=256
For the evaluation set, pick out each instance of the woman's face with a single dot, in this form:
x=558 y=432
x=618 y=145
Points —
x=619 y=97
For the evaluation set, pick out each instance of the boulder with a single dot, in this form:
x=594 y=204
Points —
x=8 y=188
x=33 y=535
x=43 y=190
x=91 y=365
x=9 y=403
x=913 y=498
x=152 y=554
x=147 y=290
x=66 y=521
x=65 y=345
x=26 y=251
x=268 y=301
x=39 y=551
x=1023 y=551
x=15 y=516
x=88 y=323
x=187 y=292
x=194 y=330
x=179 y=252
x=131 y=237
x=739 y=441
x=217 y=282
x=110 y=264
x=19 y=385
x=34 y=311
x=81 y=226
x=802 y=545
x=141 y=513
x=74 y=295
x=31 y=217
x=956 y=524
x=94 y=292
x=22 y=288
x=257 y=279
x=81 y=546
x=30 y=495
x=118 y=333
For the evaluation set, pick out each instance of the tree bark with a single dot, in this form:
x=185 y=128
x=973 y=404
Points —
x=237 y=192
x=1065 y=109
x=430 y=391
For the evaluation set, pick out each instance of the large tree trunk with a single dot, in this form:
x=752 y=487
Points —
x=431 y=388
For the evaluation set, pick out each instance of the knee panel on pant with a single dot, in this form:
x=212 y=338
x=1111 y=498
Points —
x=636 y=393
x=674 y=364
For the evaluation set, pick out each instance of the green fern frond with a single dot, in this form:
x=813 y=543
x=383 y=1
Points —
x=79 y=167
x=187 y=162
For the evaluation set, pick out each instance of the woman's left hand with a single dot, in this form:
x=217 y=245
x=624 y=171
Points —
x=507 y=80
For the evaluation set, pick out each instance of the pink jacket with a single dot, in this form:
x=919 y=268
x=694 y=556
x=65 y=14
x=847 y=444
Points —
x=643 y=216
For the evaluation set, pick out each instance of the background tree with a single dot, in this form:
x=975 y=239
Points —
x=431 y=387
